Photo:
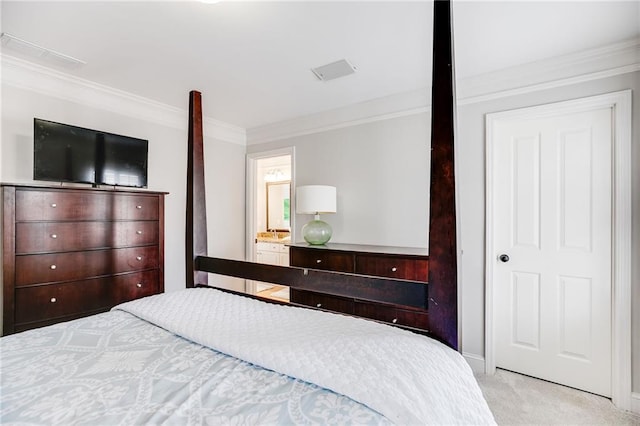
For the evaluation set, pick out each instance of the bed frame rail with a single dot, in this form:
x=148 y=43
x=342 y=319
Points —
x=392 y=291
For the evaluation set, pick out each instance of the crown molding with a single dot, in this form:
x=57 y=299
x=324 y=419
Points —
x=594 y=64
x=394 y=106
x=29 y=76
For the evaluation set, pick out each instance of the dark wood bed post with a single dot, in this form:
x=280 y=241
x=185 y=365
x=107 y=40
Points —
x=195 y=242
x=443 y=283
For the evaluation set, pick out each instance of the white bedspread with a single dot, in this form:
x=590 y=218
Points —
x=410 y=379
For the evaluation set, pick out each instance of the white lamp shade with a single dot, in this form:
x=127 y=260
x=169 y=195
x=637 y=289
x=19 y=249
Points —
x=313 y=199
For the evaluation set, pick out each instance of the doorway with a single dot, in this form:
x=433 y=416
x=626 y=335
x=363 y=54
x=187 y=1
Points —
x=270 y=218
x=557 y=263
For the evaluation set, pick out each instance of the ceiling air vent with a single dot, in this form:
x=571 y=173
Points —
x=334 y=70
x=33 y=50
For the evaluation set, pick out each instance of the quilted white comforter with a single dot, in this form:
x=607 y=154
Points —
x=410 y=379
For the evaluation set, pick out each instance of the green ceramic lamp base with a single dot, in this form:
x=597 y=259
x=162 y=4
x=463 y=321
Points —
x=316 y=232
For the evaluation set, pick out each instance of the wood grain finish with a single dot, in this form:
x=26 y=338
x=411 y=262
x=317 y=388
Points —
x=43 y=237
x=412 y=293
x=83 y=205
x=392 y=266
x=72 y=252
x=392 y=314
x=443 y=281
x=44 y=302
x=196 y=219
x=55 y=267
x=321 y=259
x=382 y=302
x=322 y=301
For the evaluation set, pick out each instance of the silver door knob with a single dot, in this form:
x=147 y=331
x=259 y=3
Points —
x=504 y=258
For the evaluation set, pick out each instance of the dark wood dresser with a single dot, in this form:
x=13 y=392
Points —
x=409 y=264
x=73 y=252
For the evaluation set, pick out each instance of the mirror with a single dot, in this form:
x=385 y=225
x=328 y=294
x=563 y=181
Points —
x=279 y=206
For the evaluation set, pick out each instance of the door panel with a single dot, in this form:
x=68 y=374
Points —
x=552 y=217
x=525 y=313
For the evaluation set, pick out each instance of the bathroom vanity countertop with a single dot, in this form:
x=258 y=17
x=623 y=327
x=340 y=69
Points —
x=274 y=237
x=273 y=240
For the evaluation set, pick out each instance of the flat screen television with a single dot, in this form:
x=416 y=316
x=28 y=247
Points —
x=64 y=153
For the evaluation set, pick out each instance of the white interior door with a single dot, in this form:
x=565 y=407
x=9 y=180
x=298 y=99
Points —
x=552 y=233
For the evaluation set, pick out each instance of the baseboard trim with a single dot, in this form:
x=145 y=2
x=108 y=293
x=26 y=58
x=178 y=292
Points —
x=476 y=362
x=635 y=402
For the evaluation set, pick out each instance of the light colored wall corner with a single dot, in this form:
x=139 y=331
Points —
x=476 y=362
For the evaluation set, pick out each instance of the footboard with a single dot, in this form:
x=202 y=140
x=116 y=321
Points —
x=399 y=302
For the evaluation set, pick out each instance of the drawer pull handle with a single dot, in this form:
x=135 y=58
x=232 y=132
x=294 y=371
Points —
x=139 y=232
x=318 y=260
x=53 y=266
x=395 y=320
x=54 y=300
x=138 y=207
x=319 y=305
x=394 y=269
x=138 y=257
x=54 y=236
x=54 y=205
x=139 y=285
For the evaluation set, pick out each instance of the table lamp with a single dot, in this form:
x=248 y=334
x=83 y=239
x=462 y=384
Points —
x=316 y=199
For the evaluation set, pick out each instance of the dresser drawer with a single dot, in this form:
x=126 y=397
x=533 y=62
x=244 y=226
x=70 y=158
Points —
x=40 y=303
x=134 y=286
x=322 y=301
x=136 y=207
x=321 y=259
x=80 y=205
x=44 y=268
x=390 y=266
x=390 y=314
x=45 y=237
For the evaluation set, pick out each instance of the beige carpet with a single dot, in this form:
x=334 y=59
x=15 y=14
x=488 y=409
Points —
x=521 y=400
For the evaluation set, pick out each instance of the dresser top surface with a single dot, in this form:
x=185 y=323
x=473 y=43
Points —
x=107 y=189
x=366 y=248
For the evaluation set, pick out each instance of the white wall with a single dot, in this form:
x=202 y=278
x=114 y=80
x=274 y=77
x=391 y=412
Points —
x=167 y=169
x=381 y=172
x=382 y=181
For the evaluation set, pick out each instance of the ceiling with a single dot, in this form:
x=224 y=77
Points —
x=252 y=60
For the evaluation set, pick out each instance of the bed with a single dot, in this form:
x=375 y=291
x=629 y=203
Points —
x=188 y=357
x=192 y=356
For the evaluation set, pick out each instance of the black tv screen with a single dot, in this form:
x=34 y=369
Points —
x=64 y=153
